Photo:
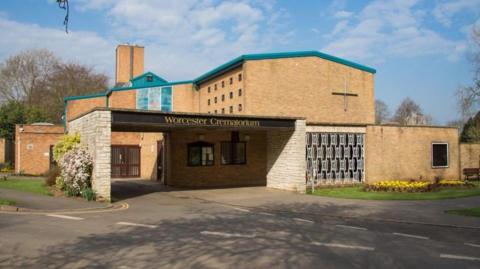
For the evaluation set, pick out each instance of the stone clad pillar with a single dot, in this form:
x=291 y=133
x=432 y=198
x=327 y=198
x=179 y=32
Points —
x=95 y=133
x=286 y=161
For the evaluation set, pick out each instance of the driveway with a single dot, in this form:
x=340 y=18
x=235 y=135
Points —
x=431 y=212
x=233 y=228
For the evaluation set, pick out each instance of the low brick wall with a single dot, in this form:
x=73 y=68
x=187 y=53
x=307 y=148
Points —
x=469 y=155
x=405 y=152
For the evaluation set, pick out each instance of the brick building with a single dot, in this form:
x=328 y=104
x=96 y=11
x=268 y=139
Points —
x=278 y=119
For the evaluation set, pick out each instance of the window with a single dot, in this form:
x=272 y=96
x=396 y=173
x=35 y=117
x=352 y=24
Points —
x=208 y=89
x=223 y=110
x=200 y=154
x=215 y=86
x=234 y=153
x=223 y=84
x=231 y=81
x=215 y=99
x=231 y=109
x=208 y=101
x=439 y=155
x=240 y=77
x=239 y=92
x=215 y=111
x=149 y=78
x=223 y=97
x=240 y=107
x=231 y=95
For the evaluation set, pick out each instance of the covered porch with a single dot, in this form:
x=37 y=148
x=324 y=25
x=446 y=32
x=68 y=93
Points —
x=201 y=150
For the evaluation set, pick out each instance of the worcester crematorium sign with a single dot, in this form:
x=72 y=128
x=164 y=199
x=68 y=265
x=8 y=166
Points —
x=132 y=120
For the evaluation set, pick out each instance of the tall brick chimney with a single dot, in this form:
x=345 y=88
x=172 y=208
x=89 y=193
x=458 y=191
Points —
x=129 y=62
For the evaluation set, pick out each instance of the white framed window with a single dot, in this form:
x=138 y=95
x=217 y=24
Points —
x=440 y=155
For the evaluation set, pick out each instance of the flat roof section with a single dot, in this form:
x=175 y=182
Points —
x=135 y=120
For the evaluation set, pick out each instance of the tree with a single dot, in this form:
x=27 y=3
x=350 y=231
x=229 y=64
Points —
x=13 y=113
x=37 y=78
x=471 y=130
x=410 y=113
x=468 y=98
x=67 y=80
x=21 y=75
x=382 y=112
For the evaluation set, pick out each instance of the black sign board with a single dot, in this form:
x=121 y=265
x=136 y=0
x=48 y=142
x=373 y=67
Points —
x=127 y=118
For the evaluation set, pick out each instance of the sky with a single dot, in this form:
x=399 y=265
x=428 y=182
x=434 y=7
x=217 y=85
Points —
x=420 y=48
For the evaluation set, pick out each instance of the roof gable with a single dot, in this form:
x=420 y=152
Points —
x=147 y=79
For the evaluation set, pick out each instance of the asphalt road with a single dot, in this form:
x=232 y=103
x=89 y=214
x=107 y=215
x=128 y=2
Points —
x=164 y=230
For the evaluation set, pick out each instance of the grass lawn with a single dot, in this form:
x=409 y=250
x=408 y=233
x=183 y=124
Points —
x=358 y=193
x=471 y=212
x=6 y=202
x=35 y=185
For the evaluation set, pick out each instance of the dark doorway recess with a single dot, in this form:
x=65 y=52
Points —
x=125 y=161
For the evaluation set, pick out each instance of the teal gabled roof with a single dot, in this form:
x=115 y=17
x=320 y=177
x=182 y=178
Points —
x=141 y=81
x=266 y=56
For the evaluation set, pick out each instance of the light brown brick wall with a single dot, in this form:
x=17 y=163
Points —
x=218 y=175
x=125 y=69
x=469 y=156
x=401 y=153
x=77 y=107
x=148 y=149
x=185 y=98
x=123 y=99
x=303 y=87
x=228 y=102
x=32 y=147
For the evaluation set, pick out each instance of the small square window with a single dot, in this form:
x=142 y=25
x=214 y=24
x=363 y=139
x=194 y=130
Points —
x=215 y=100
x=240 y=107
x=240 y=77
x=149 y=78
x=439 y=155
x=223 y=97
x=208 y=89
x=223 y=84
x=231 y=95
x=208 y=101
x=231 y=81
x=223 y=110
x=215 y=86
x=200 y=154
x=231 y=109
x=239 y=92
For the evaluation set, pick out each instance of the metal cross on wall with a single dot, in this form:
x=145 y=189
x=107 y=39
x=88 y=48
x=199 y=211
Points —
x=345 y=94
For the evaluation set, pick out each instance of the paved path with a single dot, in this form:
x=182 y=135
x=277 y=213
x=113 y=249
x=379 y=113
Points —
x=235 y=228
x=413 y=211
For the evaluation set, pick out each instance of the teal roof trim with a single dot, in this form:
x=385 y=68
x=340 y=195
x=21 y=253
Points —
x=148 y=86
x=78 y=97
x=266 y=56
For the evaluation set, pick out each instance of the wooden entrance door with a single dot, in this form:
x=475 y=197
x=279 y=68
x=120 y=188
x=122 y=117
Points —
x=125 y=161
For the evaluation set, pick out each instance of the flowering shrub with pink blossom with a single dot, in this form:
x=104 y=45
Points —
x=76 y=170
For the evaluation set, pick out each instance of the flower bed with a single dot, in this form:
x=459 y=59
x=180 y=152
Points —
x=400 y=186
x=454 y=183
x=414 y=186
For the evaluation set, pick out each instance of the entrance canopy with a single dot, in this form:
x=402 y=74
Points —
x=274 y=146
x=133 y=120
